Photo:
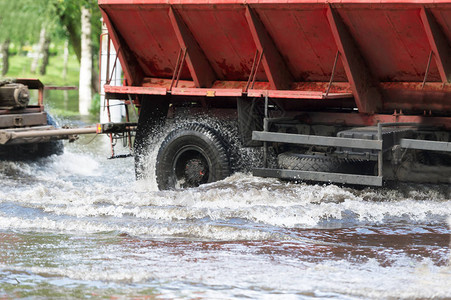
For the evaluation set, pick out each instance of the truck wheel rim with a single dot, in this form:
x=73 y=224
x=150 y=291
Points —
x=191 y=167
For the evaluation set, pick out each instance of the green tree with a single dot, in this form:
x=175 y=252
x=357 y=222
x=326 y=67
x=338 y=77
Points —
x=18 y=24
x=23 y=21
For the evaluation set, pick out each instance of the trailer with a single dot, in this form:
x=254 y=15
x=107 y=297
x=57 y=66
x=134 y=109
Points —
x=27 y=131
x=353 y=92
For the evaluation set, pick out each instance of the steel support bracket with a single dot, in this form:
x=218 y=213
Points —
x=275 y=67
x=198 y=65
x=439 y=44
x=365 y=88
x=4 y=137
x=320 y=176
x=426 y=145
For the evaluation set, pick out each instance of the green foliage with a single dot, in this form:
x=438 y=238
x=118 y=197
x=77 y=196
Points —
x=19 y=21
x=94 y=110
x=69 y=14
x=20 y=67
x=22 y=20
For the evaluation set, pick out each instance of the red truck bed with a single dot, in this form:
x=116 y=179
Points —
x=388 y=55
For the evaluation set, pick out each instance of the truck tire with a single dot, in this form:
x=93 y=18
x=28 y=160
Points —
x=316 y=163
x=323 y=163
x=191 y=155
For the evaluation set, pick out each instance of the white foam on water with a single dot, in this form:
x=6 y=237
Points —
x=188 y=270
x=257 y=200
x=199 y=231
x=83 y=196
x=74 y=164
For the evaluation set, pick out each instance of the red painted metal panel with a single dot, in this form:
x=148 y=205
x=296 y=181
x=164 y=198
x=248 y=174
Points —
x=304 y=38
x=284 y=2
x=154 y=44
x=439 y=45
x=225 y=39
x=392 y=40
x=211 y=92
x=307 y=95
x=135 y=90
x=199 y=67
x=366 y=91
x=390 y=36
x=355 y=119
x=132 y=72
x=275 y=67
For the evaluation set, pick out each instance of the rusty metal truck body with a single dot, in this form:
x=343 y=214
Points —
x=27 y=131
x=360 y=87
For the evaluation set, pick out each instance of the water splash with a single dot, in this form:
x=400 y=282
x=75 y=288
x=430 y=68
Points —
x=80 y=225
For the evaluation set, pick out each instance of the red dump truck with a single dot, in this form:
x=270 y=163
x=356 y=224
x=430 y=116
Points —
x=346 y=91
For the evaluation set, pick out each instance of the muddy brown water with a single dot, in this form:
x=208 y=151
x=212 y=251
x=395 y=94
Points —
x=80 y=226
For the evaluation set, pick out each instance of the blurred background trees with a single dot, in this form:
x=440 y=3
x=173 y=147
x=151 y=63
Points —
x=34 y=30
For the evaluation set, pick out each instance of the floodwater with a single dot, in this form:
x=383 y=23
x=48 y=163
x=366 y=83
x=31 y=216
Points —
x=80 y=226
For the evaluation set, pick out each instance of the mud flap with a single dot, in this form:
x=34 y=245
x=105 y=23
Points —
x=152 y=116
x=250 y=118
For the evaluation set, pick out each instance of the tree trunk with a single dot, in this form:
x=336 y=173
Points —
x=95 y=81
x=66 y=59
x=74 y=37
x=35 y=62
x=45 y=56
x=84 y=89
x=5 y=57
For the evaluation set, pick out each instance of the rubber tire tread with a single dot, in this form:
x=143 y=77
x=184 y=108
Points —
x=292 y=161
x=191 y=134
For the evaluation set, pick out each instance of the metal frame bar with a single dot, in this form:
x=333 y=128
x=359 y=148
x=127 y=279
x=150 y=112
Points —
x=290 y=138
x=114 y=65
x=254 y=62
x=427 y=69
x=276 y=137
x=320 y=176
x=178 y=68
x=367 y=94
x=256 y=69
x=275 y=67
x=380 y=154
x=21 y=136
x=332 y=74
x=359 y=120
x=425 y=145
x=198 y=65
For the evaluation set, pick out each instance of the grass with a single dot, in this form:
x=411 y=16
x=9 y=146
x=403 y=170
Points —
x=58 y=103
x=19 y=67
